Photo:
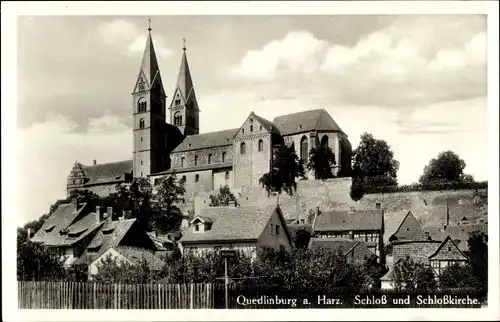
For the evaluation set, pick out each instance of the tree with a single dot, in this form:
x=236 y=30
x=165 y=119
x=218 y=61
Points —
x=169 y=194
x=357 y=189
x=321 y=159
x=34 y=262
x=223 y=198
x=286 y=167
x=373 y=160
x=412 y=275
x=372 y=271
x=456 y=275
x=302 y=238
x=110 y=270
x=478 y=255
x=447 y=167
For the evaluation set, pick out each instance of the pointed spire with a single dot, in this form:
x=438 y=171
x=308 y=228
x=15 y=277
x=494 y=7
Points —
x=149 y=63
x=184 y=81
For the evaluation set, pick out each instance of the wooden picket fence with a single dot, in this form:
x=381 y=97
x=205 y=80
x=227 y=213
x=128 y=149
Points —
x=72 y=295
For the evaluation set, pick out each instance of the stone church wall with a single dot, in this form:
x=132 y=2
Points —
x=189 y=156
x=249 y=167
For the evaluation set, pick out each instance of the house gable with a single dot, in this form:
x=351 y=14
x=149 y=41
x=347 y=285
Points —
x=448 y=250
x=359 y=252
x=276 y=232
x=254 y=125
x=410 y=229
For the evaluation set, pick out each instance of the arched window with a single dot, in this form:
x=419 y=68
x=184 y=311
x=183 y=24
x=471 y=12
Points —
x=195 y=160
x=227 y=175
x=141 y=123
x=196 y=178
x=242 y=148
x=141 y=105
x=183 y=179
x=178 y=118
x=324 y=141
x=223 y=156
x=304 y=148
x=209 y=158
x=261 y=145
x=182 y=162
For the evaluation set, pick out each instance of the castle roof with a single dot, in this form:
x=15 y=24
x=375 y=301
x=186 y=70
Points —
x=107 y=172
x=206 y=140
x=349 y=220
x=313 y=120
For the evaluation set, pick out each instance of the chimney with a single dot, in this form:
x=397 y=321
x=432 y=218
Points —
x=98 y=214
x=74 y=202
x=232 y=203
x=110 y=213
x=29 y=233
x=316 y=215
x=95 y=162
x=447 y=216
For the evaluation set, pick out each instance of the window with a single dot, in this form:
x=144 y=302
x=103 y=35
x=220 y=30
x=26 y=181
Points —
x=195 y=160
x=356 y=235
x=251 y=128
x=227 y=175
x=141 y=138
x=197 y=178
x=223 y=157
x=141 y=162
x=304 y=148
x=277 y=229
x=270 y=229
x=209 y=158
x=182 y=162
x=377 y=205
x=178 y=119
x=142 y=175
x=324 y=141
x=260 y=127
x=183 y=179
x=261 y=145
x=242 y=148
x=141 y=105
x=141 y=123
x=242 y=130
x=449 y=248
x=141 y=85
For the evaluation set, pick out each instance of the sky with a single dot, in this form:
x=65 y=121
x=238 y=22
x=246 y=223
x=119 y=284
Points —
x=417 y=82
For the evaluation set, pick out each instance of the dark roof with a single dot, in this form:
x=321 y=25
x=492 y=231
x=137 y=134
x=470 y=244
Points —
x=107 y=172
x=206 y=140
x=458 y=233
x=346 y=246
x=409 y=229
x=196 y=168
x=77 y=224
x=352 y=220
x=137 y=255
x=332 y=244
x=232 y=223
x=306 y=121
x=110 y=235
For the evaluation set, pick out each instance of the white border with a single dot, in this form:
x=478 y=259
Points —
x=11 y=10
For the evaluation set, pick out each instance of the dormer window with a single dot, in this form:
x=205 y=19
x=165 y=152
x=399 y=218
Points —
x=197 y=227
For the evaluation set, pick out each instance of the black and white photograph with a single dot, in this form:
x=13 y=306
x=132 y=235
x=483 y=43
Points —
x=172 y=157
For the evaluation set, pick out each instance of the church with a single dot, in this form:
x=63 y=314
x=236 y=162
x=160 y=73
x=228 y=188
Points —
x=168 y=141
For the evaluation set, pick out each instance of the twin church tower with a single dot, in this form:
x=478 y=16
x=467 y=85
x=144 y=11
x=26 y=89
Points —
x=170 y=143
x=154 y=138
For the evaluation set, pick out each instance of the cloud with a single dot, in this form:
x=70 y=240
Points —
x=297 y=51
x=130 y=38
x=403 y=65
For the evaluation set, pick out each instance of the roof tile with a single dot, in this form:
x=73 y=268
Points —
x=312 y=120
x=353 y=220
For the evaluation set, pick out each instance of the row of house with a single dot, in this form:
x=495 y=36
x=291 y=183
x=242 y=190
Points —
x=85 y=234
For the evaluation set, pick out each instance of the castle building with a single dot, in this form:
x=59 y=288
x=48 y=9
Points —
x=234 y=157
